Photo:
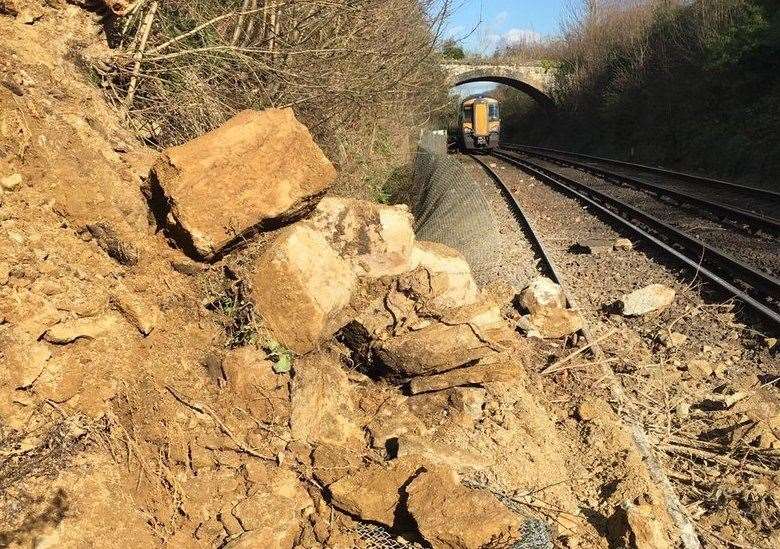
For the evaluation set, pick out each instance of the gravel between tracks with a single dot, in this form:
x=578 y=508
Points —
x=517 y=261
x=758 y=251
x=737 y=198
x=666 y=392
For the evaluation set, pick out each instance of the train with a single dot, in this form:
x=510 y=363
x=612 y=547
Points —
x=479 y=124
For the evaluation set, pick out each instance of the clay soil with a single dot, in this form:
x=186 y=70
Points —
x=680 y=405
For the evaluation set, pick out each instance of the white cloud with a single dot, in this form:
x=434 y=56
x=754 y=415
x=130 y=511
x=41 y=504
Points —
x=501 y=18
x=519 y=36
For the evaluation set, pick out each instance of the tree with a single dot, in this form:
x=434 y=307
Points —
x=450 y=49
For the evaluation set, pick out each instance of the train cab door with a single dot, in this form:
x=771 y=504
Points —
x=481 y=125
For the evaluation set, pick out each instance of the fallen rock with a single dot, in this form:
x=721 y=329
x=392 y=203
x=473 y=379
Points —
x=71 y=330
x=259 y=169
x=136 y=310
x=393 y=420
x=60 y=381
x=448 y=275
x=331 y=463
x=299 y=286
x=638 y=526
x=672 y=339
x=273 y=512
x=248 y=373
x=553 y=323
x=373 y=493
x=322 y=408
x=25 y=362
x=11 y=182
x=376 y=239
x=542 y=293
x=503 y=370
x=451 y=516
x=118 y=248
x=623 y=244
x=466 y=335
x=648 y=299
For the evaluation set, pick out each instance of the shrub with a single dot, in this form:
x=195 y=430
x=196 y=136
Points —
x=345 y=66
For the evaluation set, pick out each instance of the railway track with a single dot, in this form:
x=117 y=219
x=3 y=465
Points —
x=686 y=529
x=758 y=290
x=749 y=207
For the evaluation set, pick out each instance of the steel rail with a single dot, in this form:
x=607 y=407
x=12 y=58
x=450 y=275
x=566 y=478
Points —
x=768 y=224
x=686 y=529
x=691 y=178
x=539 y=244
x=714 y=258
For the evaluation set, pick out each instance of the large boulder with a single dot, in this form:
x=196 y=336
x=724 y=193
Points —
x=451 y=516
x=259 y=169
x=376 y=239
x=646 y=300
x=299 y=286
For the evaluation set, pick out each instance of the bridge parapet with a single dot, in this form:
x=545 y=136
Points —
x=530 y=78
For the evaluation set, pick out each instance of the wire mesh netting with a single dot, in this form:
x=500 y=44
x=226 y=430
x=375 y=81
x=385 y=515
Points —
x=535 y=536
x=451 y=209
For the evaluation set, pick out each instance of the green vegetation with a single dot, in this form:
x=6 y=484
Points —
x=450 y=49
x=692 y=85
x=346 y=67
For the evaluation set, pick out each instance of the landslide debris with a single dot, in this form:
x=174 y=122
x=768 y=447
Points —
x=129 y=418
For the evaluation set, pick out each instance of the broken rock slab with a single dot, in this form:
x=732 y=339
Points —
x=259 y=169
x=451 y=516
x=497 y=370
x=141 y=314
x=299 y=285
x=463 y=336
x=87 y=328
x=646 y=300
x=25 y=361
x=322 y=408
x=376 y=239
x=552 y=323
x=272 y=515
x=449 y=279
x=374 y=493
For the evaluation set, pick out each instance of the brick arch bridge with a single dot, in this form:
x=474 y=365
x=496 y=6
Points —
x=530 y=79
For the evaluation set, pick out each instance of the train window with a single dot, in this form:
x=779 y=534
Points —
x=493 y=112
x=468 y=115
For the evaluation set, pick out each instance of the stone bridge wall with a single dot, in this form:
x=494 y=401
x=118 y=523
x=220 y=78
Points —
x=531 y=78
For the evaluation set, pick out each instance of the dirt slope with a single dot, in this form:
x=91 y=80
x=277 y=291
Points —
x=126 y=420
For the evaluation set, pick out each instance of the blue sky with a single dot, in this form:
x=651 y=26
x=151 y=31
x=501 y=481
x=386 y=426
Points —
x=500 y=22
x=503 y=21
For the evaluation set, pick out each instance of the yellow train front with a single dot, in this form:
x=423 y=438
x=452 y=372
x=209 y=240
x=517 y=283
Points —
x=479 y=124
